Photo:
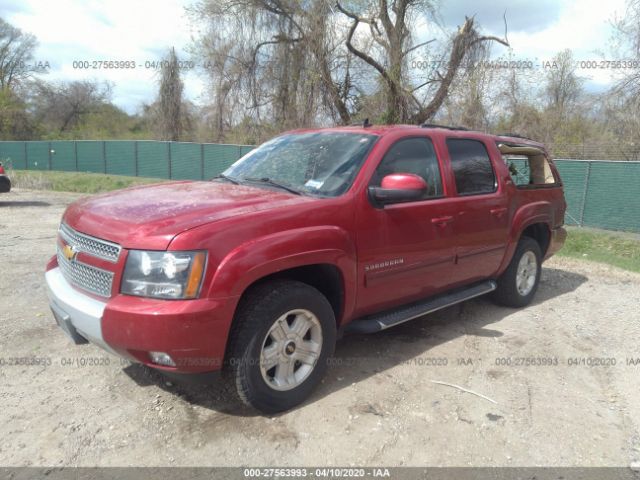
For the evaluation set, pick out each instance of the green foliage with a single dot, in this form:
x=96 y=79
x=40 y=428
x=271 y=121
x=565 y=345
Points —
x=15 y=122
x=105 y=122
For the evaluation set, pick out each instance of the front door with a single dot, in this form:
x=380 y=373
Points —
x=405 y=250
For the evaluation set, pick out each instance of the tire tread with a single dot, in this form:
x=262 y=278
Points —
x=247 y=322
x=507 y=293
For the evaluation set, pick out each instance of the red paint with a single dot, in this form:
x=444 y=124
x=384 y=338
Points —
x=193 y=332
x=403 y=181
x=385 y=256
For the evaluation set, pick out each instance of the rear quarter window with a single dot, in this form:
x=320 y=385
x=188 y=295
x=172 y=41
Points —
x=529 y=170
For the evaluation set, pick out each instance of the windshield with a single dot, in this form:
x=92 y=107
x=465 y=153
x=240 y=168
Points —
x=320 y=163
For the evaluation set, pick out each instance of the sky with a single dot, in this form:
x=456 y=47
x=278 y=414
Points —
x=142 y=31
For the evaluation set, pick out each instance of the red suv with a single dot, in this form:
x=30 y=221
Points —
x=312 y=234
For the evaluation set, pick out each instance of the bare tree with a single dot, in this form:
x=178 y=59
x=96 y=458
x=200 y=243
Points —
x=62 y=106
x=629 y=26
x=170 y=98
x=563 y=85
x=395 y=41
x=294 y=63
x=282 y=61
x=473 y=95
x=627 y=38
x=516 y=102
x=16 y=55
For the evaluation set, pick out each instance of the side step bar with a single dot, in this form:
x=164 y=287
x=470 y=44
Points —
x=390 y=318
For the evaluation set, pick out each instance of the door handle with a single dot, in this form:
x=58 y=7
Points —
x=498 y=212
x=442 y=221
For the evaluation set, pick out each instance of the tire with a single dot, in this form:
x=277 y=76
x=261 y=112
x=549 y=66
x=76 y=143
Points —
x=5 y=184
x=282 y=336
x=513 y=291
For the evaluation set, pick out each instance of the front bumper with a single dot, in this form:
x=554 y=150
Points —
x=192 y=332
x=79 y=316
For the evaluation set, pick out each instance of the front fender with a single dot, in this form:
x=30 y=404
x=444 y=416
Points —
x=280 y=251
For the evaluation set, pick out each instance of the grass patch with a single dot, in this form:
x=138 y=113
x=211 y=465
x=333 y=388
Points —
x=614 y=248
x=74 y=181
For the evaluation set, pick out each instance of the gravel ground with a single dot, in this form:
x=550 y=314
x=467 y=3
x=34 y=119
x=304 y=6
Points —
x=559 y=398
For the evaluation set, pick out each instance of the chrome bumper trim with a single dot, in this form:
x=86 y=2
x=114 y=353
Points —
x=83 y=312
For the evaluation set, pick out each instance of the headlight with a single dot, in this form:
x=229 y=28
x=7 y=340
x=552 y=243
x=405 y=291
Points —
x=174 y=275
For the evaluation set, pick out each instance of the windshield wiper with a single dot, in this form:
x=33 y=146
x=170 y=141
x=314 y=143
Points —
x=227 y=178
x=273 y=183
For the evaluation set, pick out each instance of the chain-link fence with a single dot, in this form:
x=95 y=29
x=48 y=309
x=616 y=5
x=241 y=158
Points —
x=599 y=193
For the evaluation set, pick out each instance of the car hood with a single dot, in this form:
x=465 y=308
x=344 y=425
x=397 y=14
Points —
x=150 y=217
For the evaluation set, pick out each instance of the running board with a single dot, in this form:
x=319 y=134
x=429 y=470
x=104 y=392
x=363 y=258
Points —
x=391 y=318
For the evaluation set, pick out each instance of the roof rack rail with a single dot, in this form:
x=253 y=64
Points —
x=365 y=124
x=514 y=135
x=447 y=127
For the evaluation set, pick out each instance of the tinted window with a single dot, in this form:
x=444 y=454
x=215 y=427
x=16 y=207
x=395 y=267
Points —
x=471 y=166
x=412 y=155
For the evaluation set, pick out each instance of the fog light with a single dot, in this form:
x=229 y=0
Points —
x=162 y=358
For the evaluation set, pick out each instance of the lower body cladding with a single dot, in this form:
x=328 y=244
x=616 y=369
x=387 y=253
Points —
x=179 y=336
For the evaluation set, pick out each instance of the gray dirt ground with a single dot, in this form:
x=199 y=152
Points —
x=377 y=406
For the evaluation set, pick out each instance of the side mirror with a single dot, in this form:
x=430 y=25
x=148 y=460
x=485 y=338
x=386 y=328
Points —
x=397 y=188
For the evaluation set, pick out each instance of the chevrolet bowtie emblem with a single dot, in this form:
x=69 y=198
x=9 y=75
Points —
x=69 y=252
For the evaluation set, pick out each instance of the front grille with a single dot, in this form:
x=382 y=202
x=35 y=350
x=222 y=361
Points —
x=91 y=245
x=81 y=275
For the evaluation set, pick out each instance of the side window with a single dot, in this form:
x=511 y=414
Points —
x=519 y=170
x=529 y=170
x=412 y=155
x=471 y=166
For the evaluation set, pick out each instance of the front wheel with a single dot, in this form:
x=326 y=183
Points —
x=283 y=334
x=519 y=282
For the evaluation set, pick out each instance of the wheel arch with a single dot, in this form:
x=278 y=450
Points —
x=323 y=257
x=541 y=233
x=533 y=220
x=324 y=277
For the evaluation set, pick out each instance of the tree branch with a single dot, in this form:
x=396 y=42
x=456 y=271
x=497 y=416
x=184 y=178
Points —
x=415 y=47
x=464 y=41
x=370 y=60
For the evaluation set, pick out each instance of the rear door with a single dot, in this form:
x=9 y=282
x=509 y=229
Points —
x=405 y=250
x=481 y=225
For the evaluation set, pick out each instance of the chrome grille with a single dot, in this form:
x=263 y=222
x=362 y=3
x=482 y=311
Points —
x=91 y=245
x=85 y=276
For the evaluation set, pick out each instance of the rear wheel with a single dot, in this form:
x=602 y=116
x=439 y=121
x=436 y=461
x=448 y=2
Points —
x=519 y=282
x=283 y=334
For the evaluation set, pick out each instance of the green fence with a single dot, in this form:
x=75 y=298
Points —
x=599 y=193
x=146 y=158
x=602 y=193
